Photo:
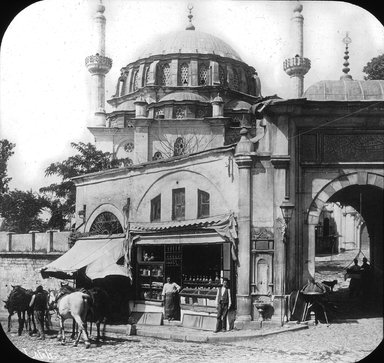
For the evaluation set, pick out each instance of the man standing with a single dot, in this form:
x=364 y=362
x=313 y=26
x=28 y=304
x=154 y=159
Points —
x=354 y=284
x=39 y=304
x=223 y=303
x=170 y=297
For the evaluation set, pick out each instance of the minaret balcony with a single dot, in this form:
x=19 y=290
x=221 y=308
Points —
x=297 y=66
x=98 y=64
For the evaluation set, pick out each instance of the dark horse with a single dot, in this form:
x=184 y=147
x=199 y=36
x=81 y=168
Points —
x=99 y=309
x=18 y=301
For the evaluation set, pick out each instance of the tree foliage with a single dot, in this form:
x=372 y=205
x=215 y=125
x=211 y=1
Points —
x=21 y=211
x=6 y=151
x=375 y=68
x=87 y=160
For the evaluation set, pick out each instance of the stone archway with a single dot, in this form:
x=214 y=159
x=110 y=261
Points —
x=340 y=187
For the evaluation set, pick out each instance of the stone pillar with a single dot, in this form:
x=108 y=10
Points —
x=140 y=107
x=217 y=107
x=50 y=241
x=9 y=245
x=141 y=140
x=309 y=252
x=243 y=157
x=194 y=75
x=33 y=242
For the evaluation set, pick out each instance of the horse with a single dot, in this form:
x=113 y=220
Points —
x=99 y=309
x=73 y=305
x=18 y=301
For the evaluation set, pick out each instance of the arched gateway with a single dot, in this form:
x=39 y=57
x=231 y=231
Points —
x=363 y=190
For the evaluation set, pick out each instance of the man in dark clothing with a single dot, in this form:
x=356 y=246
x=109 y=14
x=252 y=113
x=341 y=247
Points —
x=39 y=304
x=223 y=303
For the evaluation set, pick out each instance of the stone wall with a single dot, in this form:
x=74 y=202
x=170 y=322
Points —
x=21 y=264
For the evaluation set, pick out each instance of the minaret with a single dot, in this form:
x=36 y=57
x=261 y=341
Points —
x=98 y=65
x=297 y=66
x=347 y=40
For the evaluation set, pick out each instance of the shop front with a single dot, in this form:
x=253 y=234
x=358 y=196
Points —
x=194 y=258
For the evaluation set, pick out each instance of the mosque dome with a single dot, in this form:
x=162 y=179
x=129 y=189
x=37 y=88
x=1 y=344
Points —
x=188 y=42
x=346 y=89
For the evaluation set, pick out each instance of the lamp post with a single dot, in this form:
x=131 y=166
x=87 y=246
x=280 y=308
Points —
x=287 y=211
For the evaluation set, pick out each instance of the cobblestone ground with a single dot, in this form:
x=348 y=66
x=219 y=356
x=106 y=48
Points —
x=346 y=342
x=355 y=331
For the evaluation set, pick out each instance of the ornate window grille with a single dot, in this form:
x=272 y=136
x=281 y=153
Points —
x=106 y=223
x=165 y=75
x=179 y=147
x=222 y=77
x=201 y=113
x=136 y=81
x=235 y=80
x=128 y=147
x=203 y=75
x=180 y=112
x=159 y=113
x=184 y=74
x=157 y=155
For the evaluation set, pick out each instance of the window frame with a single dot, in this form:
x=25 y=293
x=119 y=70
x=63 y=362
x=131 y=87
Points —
x=201 y=204
x=178 y=215
x=156 y=209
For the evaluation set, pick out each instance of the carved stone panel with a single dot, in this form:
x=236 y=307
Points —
x=353 y=148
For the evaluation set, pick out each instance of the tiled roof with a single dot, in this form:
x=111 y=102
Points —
x=161 y=226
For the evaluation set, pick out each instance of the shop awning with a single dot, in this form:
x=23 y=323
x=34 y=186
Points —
x=97 y=255
x=224 y=225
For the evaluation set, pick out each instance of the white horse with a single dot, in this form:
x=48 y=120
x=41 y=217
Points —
x=74 y=305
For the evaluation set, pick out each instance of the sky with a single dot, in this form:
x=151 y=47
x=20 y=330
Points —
x=44 y=85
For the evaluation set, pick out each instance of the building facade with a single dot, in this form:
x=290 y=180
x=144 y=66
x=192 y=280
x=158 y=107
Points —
x=210 y=163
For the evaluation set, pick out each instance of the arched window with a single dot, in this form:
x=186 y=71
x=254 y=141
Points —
x=179 y=147
x=222 y=76
x=146 y=75
x=203 y=74
x=184 y=74
x=157 y=155
x=235 y=80
x=106 y=223
x=136 y=81
x=165 y=75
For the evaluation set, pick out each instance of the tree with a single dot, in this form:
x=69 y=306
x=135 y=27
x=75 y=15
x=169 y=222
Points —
x=6 y=151
x=63 y=194
x=21 y=210
x=375 y=68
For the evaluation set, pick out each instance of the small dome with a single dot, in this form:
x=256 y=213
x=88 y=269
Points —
x=346 y=90
x=188 y=41
x=184 y=96
x=238 y=105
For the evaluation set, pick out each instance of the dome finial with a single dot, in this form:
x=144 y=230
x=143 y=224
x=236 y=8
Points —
x=346 y=40
x=190 y=26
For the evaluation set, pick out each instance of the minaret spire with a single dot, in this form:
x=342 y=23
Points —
x=98 y=65
x=346 y=40
x=297 y=66
x=190 y=26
